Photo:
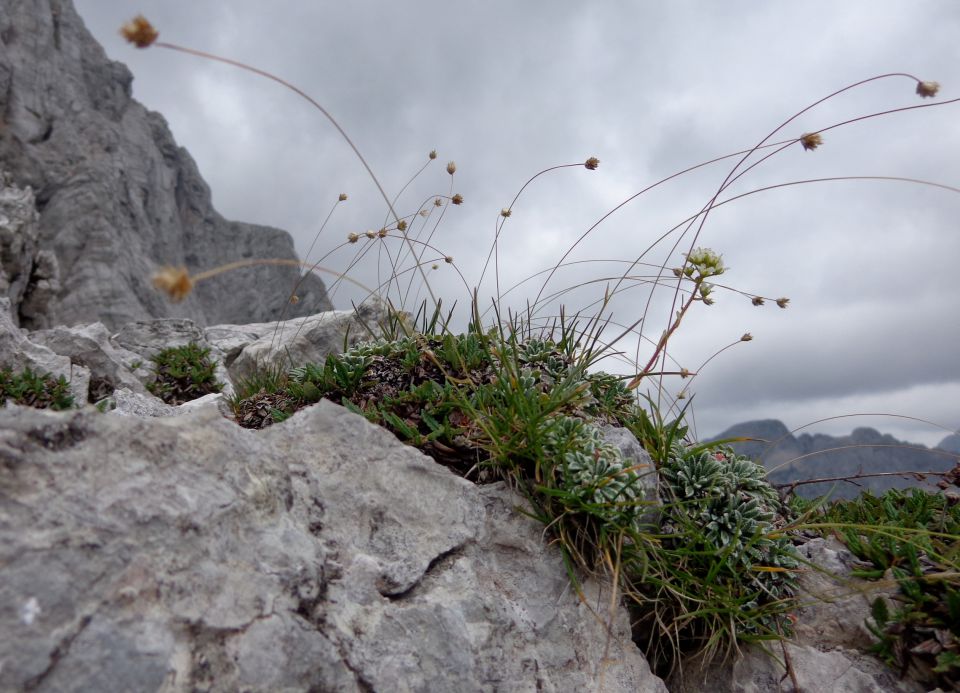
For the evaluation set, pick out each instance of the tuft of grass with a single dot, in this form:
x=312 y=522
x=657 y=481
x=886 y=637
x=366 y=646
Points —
x=35 y=389
x=183 y=373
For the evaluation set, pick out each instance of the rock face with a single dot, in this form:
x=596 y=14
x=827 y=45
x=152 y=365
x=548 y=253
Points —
x=116 y=196
x=189 y=554
x=29 y=274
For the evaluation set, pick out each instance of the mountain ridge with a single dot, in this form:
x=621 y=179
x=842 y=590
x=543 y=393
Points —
x=865 y=450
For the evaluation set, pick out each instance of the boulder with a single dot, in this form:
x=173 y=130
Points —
x=189 y=554
x=296 y=342
x=113 y=196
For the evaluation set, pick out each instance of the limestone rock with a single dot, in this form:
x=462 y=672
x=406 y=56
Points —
x=295 y=342
x=90 y=346
x=116 y=196
x=29 y=275
x=187 y=553
x=18 y=352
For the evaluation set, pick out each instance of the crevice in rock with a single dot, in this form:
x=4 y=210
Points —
x=59 y=652
x=58 y=436
x=439 y=562
x=55 y=17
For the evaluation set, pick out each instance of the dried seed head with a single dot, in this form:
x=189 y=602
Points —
x=139 y=32
x=451 y=168
x=401 y=225
x=592 y=163
x=682 y=394
x=926 y=89
x=757 y=301
x=811 y=140
x=370 y=234
x=173 y=281
x=435 y=266
x=438 y=202
x=343 y=197
x=448 y=259
x=433 y=154
x=382 y=233
x=457 y=199
x=707 y=301
x=424 y=212
x=505 y=212
x=746 y=337
x=352 y=237
x=294 y=300
x=684 y=373
x=677 y=271
x=782 y=302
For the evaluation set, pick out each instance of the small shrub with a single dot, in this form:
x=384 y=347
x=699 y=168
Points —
x=183 y=373
x=35 y=389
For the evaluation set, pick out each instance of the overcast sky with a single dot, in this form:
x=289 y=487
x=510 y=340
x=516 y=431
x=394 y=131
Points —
x=507 y=89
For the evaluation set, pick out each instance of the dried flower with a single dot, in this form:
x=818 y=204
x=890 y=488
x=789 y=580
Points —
x=401 y=226
x=926 y=89
x=448 y=259
x=424 y=213
x=174 y=281
x=370 y=234
x=451 y=168
x=592 y=163
x=438 y=202
x=352 y=237
x=382 y=233
x=435 y=266
x=707 y=301
x=682 y=394
x=294 y=300
x=757 y=301
x=505 y=212
x=139 y=32
x=457 y=199
x=782 y=302
x=811 y=140
x=677 y=271
x=746 y=337
x=684 y=373
x=343 y=197
x=433 y=154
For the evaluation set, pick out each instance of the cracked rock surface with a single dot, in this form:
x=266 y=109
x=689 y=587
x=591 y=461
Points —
x=188 y=554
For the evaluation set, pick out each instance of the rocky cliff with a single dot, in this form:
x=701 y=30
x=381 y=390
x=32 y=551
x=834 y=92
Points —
x=115 y=196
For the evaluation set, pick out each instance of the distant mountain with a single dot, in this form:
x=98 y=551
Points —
x=951 y=443
x=791 y=458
